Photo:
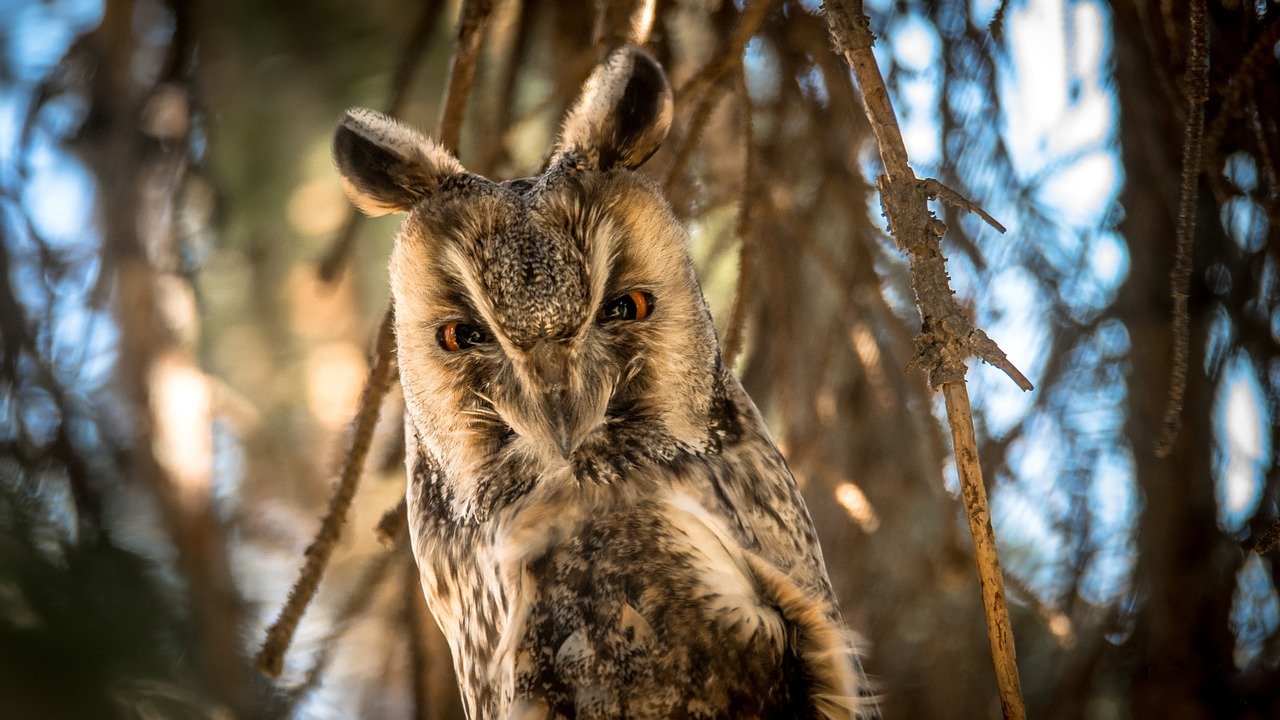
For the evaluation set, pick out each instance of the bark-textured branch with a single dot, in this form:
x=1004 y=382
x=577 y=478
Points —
x=271 y=657
x=1197 y=84
x=948 y=337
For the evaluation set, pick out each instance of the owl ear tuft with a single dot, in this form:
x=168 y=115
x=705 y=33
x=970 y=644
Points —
x=387 y=166
x=623 y=114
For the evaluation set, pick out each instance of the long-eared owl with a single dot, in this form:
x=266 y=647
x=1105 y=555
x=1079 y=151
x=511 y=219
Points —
x=603 y=526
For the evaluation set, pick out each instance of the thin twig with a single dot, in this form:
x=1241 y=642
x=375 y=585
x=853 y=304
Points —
x=1254 y=67
x=936 y=189
x=744 y=231
x=947 y=337
x=271 y=657
x=360 y=598
x=1197 y=82
x=406 y=67
x=1269 y=539
x=996 y=26
x=730 y=55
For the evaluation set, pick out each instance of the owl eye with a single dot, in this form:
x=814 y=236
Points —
x=635 y=305
x=460 y=336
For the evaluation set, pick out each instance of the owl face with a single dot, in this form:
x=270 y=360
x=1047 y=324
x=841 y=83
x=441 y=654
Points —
x=549 y=324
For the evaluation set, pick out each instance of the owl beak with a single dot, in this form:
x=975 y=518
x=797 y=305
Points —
x=549 y=361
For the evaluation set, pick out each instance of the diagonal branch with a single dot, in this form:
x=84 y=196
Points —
x=948 y=338
x=271 y=657
x=1268 y=540
x=935 y=189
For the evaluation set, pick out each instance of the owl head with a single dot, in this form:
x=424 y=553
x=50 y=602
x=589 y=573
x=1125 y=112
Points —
x=545 y=324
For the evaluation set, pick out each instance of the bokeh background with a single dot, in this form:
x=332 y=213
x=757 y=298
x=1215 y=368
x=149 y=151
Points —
x=185 y=336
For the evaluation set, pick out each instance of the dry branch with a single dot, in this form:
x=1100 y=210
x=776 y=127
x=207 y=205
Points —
x=1253 y=68
x=1197 y=88
x=462 y=71
x=462 y=67
x=744 y=231
x=948 y=337
x=622 y=22
x=1269 y=539
x=996 y=27
x=271 y=657
x=361 y=597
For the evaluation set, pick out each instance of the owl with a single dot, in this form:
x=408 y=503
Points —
x=603 y=526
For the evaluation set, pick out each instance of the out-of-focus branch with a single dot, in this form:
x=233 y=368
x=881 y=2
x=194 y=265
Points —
x=358 y=601
x=707 y=84
x=996 y=27
x=271 y=657
x=1257 y=65
x=745 y=232
x=948 y=337
x=622 y=22
x=401 y=78
x=730 y=55
x=1269 y=540
x=1197 y=84
x=462 y=71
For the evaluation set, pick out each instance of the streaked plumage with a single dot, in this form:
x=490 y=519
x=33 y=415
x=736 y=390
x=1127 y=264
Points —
x=603 y=525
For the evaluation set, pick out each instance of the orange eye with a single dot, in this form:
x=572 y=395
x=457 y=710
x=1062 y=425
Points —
x=635 y=305
x=460 y=336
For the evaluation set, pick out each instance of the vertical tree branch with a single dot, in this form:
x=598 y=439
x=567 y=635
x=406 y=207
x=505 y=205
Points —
x=947 y=337
x=1197 y=89
x=746 y=241
x=462 y=71
x=622 y=22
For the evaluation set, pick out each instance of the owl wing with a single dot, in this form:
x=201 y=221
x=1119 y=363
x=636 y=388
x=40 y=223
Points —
x=748 y=484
